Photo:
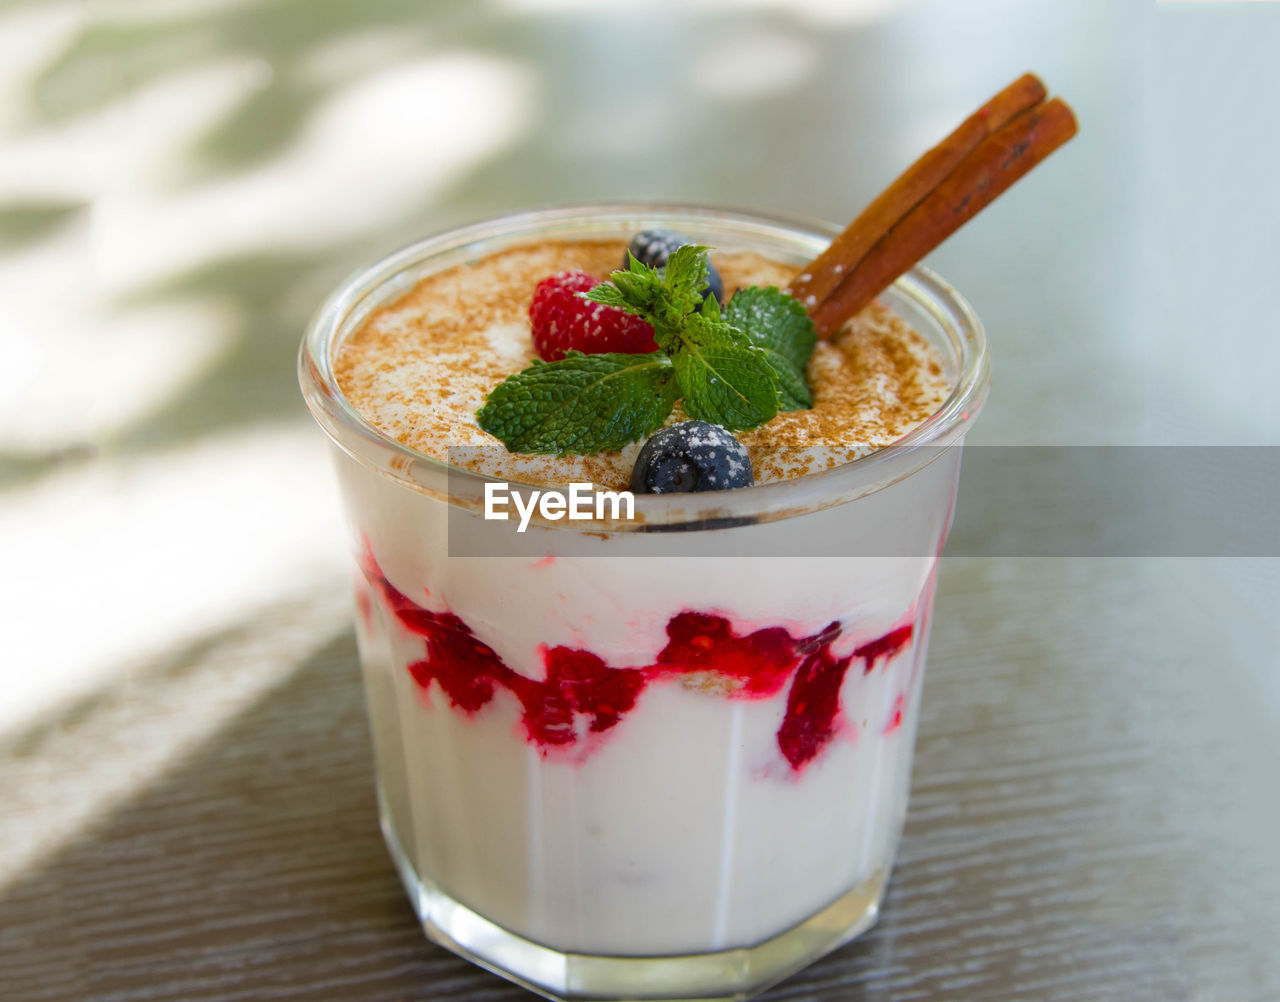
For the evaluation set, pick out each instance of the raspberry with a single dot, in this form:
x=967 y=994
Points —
x=561 y=320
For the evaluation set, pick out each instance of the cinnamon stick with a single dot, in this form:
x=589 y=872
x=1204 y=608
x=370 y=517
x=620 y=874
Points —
x=944 y=189
x=818 y=281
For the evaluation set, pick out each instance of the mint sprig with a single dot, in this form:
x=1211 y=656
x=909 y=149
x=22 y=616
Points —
x=666 y=298
x=735 y=369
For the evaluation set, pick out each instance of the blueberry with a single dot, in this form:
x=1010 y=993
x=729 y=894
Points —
x=691 y=456
x=653 y=247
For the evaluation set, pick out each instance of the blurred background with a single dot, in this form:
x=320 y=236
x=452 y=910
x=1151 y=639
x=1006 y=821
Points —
x=182 y=181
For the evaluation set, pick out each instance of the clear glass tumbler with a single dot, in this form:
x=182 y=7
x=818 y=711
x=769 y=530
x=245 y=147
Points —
x=632 y=762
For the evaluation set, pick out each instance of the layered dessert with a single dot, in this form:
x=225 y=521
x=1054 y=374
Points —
x=602 y=755
x=664 y=757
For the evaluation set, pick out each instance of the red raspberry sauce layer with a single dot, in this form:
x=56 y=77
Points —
x=579 y=682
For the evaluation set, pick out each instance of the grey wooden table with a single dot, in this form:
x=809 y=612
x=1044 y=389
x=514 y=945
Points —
x=186 y=783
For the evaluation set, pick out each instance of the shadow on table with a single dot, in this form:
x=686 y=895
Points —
x=253 y=869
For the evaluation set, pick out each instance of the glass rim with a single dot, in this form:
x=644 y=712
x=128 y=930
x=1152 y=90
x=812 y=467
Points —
x=372 y=447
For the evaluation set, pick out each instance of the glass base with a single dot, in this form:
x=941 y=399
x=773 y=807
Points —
x=724 y=976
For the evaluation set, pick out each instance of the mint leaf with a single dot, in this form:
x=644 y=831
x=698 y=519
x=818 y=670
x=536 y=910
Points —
x=581 y=404
x=777 y=324
x=722 y=378
x=637 y=289
x=610 y=295
x=685 y=277
x=774 y=321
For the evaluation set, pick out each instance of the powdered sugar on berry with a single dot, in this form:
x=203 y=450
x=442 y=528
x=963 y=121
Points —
x=561 y=320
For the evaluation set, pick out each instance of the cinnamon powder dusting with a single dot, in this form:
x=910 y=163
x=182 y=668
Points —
x=420 y=367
